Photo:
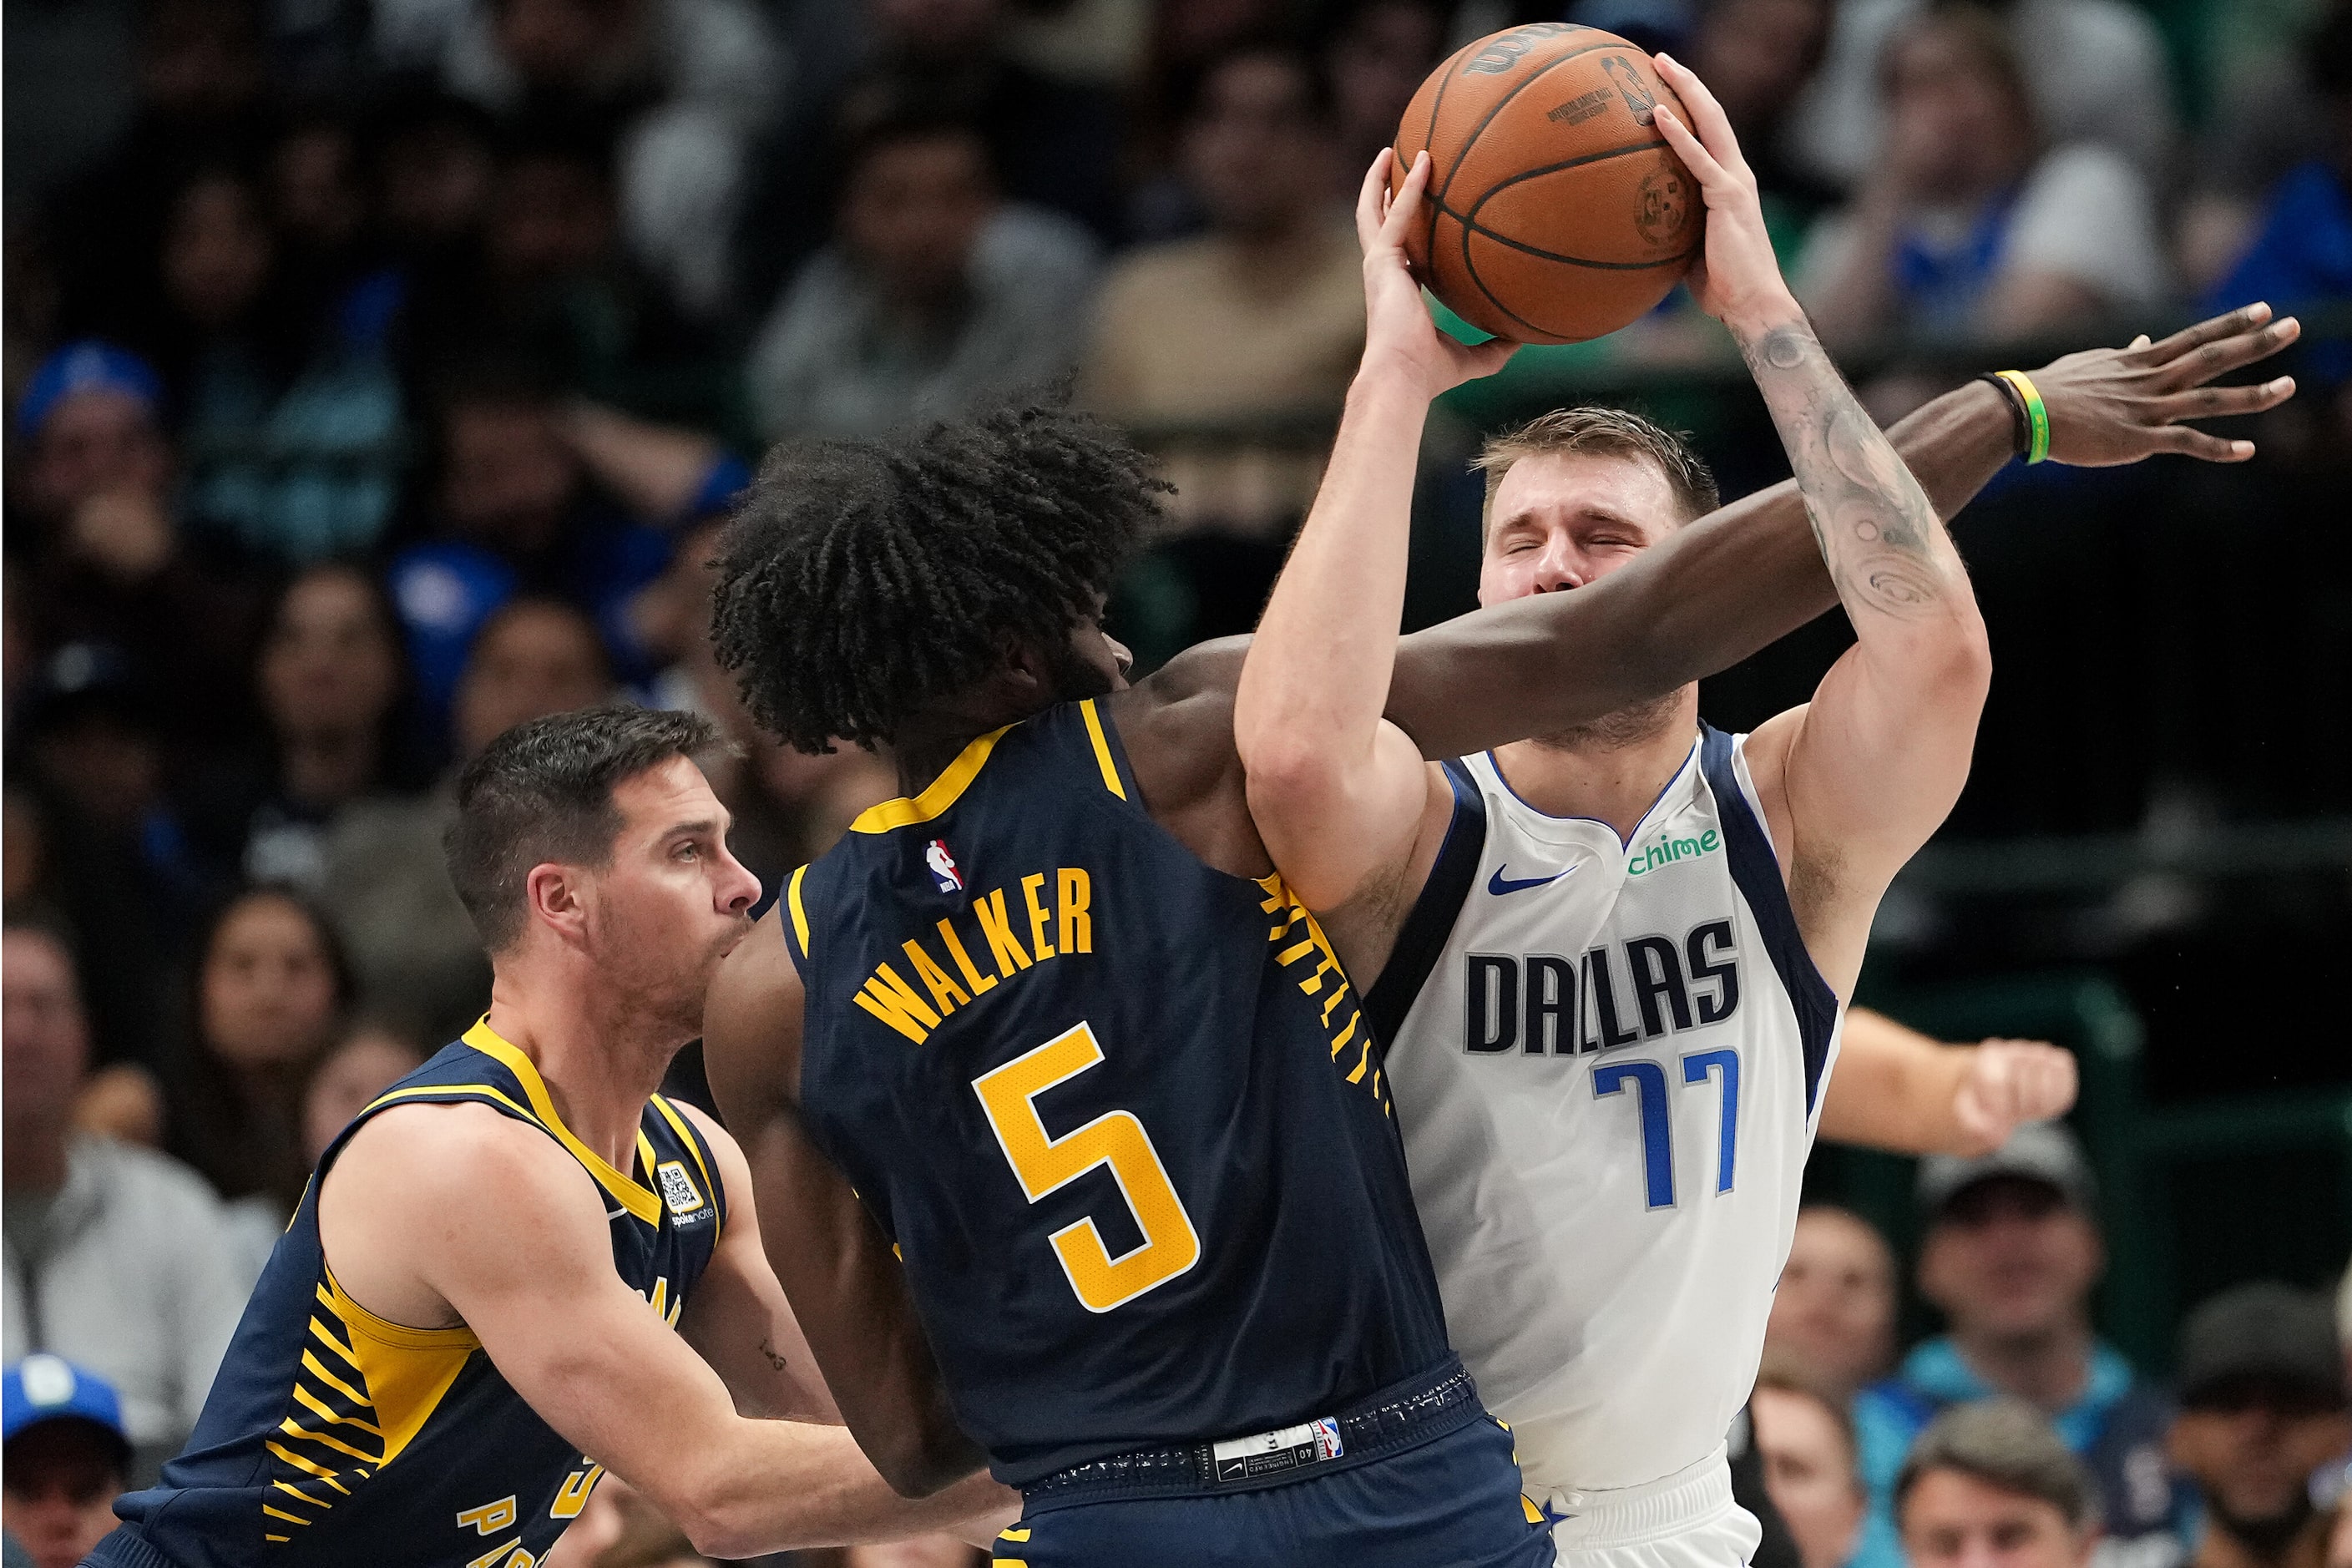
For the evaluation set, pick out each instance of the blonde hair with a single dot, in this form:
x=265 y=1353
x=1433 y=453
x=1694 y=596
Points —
x=1596 y=431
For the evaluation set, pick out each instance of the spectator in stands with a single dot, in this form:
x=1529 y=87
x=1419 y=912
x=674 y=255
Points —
x=201 y=81
x=276 y=343
x=1833 y=1318
x=1377 y=59
x=95 y=521
x=2096 y=71
x=1052 y=142
x=1806 y=1434
x=549 y=279
x=1991 y=1483
x=788 y=807
x=1967 y=225
x=1756 y=56
x=118 y=1258
x=332 y=679
x=2301 y=253
x=1246 y=334
x=935 y=298
x=420 y=966
x=66 y=1458
x=2010 y=1255
x=368 y=1060
x=91 y=729
x=271 y=989
x=2262 y=1412
x=691 y=85
x=517 y=514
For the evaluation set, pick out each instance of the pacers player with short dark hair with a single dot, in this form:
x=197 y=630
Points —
x=520 y=1265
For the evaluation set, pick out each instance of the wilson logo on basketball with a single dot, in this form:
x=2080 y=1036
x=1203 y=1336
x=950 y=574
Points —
x=1501 y=51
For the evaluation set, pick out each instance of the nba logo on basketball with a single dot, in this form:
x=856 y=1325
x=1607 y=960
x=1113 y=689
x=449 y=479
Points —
x=943 y=867
x=1326 y=1438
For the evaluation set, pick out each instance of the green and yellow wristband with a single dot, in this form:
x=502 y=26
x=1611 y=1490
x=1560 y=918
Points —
x=2025 y=406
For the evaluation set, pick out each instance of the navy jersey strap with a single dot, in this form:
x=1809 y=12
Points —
x=1421 y=942
x=1756 y=871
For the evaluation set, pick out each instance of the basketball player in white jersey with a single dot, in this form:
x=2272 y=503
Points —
x=1613 y=962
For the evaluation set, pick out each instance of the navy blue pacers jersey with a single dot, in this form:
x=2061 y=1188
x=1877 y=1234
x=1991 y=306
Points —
x=331 y=1436
x=1121 y=1112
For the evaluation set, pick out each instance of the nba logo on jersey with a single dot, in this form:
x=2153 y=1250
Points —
x=943 y=867
x=1326 y=1438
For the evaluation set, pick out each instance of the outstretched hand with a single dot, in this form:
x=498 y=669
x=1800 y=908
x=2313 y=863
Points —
x=2109 y=407
x=1397 y=326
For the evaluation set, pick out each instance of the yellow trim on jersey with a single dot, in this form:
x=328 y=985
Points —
x=1102 y=748
x=503 y=1098
x=647 y=1158
x=800 y=915
x=406 y=1372
x=940 y=794
x=694 y=1147
x=630 y=1194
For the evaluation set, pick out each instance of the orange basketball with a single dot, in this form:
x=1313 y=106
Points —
x=1555 y=211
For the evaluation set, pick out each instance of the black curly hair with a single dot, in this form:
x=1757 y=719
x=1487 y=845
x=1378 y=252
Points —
x=863 y=579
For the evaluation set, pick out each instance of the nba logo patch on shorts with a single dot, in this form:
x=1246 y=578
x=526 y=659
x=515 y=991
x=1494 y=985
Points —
x=1326 y=1438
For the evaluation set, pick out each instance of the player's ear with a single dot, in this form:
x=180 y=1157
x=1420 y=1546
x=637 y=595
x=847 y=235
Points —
x=553 y=896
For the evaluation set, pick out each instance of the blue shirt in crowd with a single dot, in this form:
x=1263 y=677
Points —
x=2302 y=256
x=2117 y=1428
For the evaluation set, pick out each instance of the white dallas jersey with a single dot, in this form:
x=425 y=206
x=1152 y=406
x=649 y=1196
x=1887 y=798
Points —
x=1607 y=1060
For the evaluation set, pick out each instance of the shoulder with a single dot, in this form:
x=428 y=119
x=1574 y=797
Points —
x=1178 y=723
x=420 y=1156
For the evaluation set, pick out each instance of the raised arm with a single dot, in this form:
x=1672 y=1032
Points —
x=1715 y=591
x=845 y=1289
x=1336 y=792
x=1898 y=1089
x=1871 y=768
x=531 y=1276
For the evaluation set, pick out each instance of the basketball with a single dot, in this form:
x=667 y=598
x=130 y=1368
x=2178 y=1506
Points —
x=1555 y=211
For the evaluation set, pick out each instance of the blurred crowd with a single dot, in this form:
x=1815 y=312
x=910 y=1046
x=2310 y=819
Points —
x=376 y=375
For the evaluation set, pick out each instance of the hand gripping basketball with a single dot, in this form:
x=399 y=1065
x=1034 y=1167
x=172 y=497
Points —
x=1737 y=278
x=2109 y=407
x=1398 y=330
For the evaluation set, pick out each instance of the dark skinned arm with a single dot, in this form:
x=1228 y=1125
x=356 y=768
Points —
x=1750 y=572
x=844 y=1286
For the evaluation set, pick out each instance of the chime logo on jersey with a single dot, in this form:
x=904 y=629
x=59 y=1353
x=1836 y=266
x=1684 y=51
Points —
x=943 y=867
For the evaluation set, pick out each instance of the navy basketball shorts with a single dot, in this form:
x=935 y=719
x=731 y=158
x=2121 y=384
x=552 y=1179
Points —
x=1453 y=1500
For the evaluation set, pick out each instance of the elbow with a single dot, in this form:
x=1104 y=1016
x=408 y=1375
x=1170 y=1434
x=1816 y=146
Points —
x=1289 y=782
x=717 y=1536
x=1964 y=671
x=925 y=1464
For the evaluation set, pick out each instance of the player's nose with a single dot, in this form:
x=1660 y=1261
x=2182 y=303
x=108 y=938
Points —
x=737 y=889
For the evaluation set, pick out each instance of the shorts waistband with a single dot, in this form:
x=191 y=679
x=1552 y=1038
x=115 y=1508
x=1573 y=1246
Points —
x=1400 y=1417
x=1621 y=1516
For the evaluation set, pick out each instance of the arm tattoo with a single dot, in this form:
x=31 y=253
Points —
x=775 y=1357
x=1879 y=535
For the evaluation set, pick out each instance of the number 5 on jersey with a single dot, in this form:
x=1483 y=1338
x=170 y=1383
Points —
x=1046 y=1164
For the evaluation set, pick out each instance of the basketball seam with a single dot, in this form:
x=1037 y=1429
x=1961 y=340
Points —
x=1469 y=220
x=1495 y=108
x=1428 y=141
